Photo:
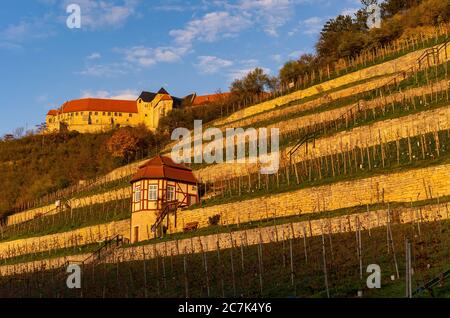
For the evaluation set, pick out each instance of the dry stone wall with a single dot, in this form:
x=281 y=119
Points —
x=398 y=65
x=363 y=136
x=78 y=237
x=411 y=185
x=340 y=224
x=118 y=194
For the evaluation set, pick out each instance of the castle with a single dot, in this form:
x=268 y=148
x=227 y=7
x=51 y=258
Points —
x=92 y=115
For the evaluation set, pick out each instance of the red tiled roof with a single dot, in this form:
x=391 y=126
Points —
x=200 y=100
x=102 y=105
x=52 y=112
x=164 y=168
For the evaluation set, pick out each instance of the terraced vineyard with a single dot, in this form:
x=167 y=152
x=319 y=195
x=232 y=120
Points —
x=320 y=266
x=373 y=178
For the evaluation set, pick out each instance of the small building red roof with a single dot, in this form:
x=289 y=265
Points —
x=161 y=167
x=102 y=105
x=52 y=112
x=205 y=99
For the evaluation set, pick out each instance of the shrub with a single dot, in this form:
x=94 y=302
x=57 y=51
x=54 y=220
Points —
x=214 y=220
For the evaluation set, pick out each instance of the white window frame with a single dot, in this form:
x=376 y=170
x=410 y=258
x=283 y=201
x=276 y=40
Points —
x=137 y=194
x=153 y=192
x=172 y=188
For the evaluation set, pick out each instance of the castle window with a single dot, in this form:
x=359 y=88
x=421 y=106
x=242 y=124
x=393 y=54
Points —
x=90 y=113
x=96 y=113
x=170 y=193
x=131 y=115
x=109 y=113
x=120 y=114
x=104 y=113
x=137 y=194
x=153 y=192
x=76 y=114
x=115 y=114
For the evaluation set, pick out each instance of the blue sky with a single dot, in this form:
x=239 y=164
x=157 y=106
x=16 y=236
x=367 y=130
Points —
x=126 y=46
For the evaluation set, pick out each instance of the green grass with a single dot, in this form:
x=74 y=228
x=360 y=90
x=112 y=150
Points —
x=217 y=229
x=380 y=114
x=119 y=210
x=51 y=254
x=311 y=176
x=414 y=81
x=66 y=221
x=427 y=44
x=271 y=221
x=308 y=99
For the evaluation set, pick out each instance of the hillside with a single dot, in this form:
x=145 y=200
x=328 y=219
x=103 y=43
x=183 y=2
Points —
x=363 y=179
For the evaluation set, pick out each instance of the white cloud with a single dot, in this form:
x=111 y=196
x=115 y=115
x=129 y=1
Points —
x=212 y=64
x=16 y=32
x=127 y=94
x=133 y=59
x=313 y=25
x=105 y=14
x=9 y=46
x=249 y=63
x=211 y=27
x=350 y=11
x=240 y=73
x=105 y=70
x=271 y=14
x=26 y=30
x=145 y=56
x=310 y=26
x=296 y=54
x=277 y=58
x=94 y=56
x=170 y=8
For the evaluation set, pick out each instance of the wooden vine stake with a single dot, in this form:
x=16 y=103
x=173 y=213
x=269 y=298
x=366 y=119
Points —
x=324 y=258
x=145 y=273
x=260 y=264
x=232 y=270
x=408 y=269
x=304 y=245
x=292 y=262
x=186 y=285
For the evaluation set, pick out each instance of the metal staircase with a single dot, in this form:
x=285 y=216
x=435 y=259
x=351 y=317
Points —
x=429 y=285
x=435 y=53
x=100 y=254
x=169 y=207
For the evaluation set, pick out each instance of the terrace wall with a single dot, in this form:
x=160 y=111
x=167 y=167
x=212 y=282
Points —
x=340 y=224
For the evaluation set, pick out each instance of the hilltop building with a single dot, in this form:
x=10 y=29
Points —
x=91 y=115
x=159 y=188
